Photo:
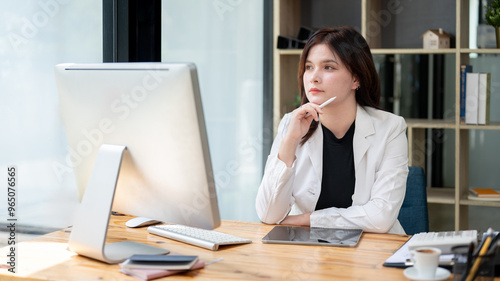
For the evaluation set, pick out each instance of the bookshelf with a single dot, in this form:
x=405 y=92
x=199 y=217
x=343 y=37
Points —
x=372 y=17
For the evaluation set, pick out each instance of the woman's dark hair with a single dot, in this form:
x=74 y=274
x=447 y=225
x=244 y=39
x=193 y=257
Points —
x=352 y=49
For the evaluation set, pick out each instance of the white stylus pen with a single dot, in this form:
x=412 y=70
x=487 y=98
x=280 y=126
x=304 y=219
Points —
x=326 y=102
x=323 y=104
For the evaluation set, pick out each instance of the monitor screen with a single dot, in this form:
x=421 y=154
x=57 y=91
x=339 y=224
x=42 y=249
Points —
x=155 y=111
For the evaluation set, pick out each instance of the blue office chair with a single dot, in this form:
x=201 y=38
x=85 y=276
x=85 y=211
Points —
x=414 y=216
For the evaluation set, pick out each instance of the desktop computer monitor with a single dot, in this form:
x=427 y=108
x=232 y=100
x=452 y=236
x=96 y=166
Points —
x=138 y=127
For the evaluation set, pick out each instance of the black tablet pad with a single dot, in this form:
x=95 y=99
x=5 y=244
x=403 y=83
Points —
x=313 y=236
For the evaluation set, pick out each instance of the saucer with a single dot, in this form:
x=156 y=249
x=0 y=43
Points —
x=441 y=274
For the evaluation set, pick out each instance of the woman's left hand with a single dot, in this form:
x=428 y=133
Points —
x=300 y=220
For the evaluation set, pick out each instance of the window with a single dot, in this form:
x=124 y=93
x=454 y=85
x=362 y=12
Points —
x=224 y=38
x=36 y=35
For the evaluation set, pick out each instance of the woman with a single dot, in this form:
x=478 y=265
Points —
x=343 y=165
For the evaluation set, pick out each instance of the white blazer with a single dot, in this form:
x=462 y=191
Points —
x=381 y=167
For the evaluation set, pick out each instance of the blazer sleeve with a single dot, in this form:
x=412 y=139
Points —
x=274 y=197
x=379 y=213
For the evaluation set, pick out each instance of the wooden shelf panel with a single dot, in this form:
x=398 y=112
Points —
x=440 y=195
x=408 y=51
x=412 y=51
x=290 y=52
x=480 y=51
x=480 y=203
x=448 y=124
x=491 y=126
x=447 y=196
x=389 y=51
x=430 y=123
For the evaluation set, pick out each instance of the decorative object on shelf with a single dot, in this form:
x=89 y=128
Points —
x=299 y=42
x=304 y=33
x=486 y=36
x=289 y=43
x=436 y=39
x=492 y=17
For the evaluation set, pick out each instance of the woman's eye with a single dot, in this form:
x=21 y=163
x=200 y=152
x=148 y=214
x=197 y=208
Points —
x=308 y=67
x=329 y=67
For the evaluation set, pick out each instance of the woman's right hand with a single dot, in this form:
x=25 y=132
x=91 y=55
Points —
x=299 y=126
x=301 y=120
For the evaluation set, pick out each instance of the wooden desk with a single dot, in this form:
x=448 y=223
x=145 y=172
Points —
x=46 y=257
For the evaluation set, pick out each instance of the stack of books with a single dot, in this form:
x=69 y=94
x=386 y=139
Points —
x=149 y=267
x=484 y=194
x=474 y=96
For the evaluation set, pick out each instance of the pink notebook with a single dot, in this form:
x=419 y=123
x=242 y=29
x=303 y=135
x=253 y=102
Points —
x=150 y=274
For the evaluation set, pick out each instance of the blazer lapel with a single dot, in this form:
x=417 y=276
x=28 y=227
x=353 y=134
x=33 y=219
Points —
x=314 y=148
x=364 y=128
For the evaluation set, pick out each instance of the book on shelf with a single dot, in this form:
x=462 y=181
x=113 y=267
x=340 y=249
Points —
x=477 y=98
x=464 y=69
x=488 y=194
x=485 y=192
x=483 y=112
x=471 y=97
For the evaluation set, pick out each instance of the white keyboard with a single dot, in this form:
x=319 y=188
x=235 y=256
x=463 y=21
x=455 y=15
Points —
x=444 y=240
x=208 y=239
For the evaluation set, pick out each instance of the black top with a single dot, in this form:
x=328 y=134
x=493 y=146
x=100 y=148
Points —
x=337 y=185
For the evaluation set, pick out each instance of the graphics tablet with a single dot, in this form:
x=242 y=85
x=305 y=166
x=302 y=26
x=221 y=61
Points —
x=313 y=236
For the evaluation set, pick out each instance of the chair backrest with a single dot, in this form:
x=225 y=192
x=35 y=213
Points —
x=414 y=216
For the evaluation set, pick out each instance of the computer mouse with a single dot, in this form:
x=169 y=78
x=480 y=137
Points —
x=140 y=221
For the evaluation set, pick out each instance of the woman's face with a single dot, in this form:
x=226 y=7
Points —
x=326 y=76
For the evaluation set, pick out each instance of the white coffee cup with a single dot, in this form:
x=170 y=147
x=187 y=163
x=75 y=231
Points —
x=425 y=261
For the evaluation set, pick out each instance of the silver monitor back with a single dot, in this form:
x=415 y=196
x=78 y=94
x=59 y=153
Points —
x=155 y=110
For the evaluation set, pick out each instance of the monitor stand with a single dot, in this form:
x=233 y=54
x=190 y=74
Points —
x=88 y=234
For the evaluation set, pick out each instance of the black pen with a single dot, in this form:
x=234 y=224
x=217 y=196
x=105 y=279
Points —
x=480 y=245
x=469 y=261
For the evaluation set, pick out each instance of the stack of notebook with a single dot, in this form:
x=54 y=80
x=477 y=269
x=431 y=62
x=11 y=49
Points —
x=149 y=267
x=484 y=194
